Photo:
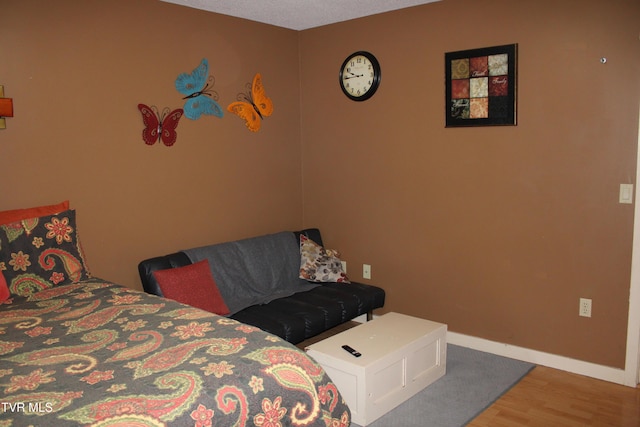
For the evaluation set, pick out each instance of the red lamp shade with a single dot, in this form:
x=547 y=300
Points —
x=6 y=107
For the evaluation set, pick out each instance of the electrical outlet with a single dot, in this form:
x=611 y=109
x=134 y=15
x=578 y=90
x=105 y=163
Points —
x=585 y=307
x=344 y=266
x=366 y=271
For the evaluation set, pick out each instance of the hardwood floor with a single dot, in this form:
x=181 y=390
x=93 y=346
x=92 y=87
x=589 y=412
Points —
x=548 y=397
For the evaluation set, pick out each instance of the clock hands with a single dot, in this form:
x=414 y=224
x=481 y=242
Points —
x=352 y=76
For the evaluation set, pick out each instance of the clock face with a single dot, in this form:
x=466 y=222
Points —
x=360 y=76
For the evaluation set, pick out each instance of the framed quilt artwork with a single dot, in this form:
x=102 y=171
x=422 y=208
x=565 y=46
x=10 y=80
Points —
x=480 y=86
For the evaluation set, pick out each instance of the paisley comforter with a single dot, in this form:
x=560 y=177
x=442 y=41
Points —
x=100 y=354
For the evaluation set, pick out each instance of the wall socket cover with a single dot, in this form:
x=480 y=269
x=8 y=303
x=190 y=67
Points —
x=366 y=271
x=585 y=307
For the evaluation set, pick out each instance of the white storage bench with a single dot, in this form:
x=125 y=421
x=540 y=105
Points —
x=400 y=355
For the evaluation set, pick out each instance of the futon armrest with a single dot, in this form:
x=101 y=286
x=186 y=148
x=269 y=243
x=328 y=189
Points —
x=147 y=267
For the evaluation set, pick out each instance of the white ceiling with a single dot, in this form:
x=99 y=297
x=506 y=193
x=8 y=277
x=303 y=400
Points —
x=299 y=14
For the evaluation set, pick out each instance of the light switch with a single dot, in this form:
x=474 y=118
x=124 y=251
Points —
x=626 y=193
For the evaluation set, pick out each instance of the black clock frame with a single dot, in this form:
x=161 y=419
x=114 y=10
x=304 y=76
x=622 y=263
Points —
x=377 y=76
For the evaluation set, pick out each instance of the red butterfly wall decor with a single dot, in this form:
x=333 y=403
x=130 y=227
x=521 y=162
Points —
x=159 y=126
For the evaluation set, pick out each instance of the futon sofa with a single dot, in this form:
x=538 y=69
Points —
x=262 y=282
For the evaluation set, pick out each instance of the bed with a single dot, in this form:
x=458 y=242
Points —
x=79 y=350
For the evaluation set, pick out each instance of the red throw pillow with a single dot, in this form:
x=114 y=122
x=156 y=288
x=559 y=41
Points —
x=193 y=285
x=15 y=215
x=4 y=289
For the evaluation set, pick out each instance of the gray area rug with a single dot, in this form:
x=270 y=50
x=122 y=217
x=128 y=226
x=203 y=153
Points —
x=474 y=380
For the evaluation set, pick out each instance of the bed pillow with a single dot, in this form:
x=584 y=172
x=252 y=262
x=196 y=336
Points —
x=40 y=253
x=318 y=264
x=4 y=290
x=193 y=285
x=7 y=217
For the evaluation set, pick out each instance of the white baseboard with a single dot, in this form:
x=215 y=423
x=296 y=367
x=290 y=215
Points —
x=361 y=319
x=580 y=367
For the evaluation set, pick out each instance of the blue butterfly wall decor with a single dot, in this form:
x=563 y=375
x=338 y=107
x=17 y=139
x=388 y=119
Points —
x=200 y=98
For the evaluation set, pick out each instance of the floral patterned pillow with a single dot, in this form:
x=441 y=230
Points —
x=318 y=264
x=39 y=253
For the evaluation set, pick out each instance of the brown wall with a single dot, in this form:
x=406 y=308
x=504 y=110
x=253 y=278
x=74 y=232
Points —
x=77 y=71
x=495 y=231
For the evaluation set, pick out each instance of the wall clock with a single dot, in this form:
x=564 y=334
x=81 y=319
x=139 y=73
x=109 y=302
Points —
x=360 y=76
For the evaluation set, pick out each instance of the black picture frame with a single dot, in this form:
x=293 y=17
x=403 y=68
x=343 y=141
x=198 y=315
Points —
x=481 y=86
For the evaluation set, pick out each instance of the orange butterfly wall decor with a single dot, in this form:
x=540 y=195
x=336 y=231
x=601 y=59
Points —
x=254 y=107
